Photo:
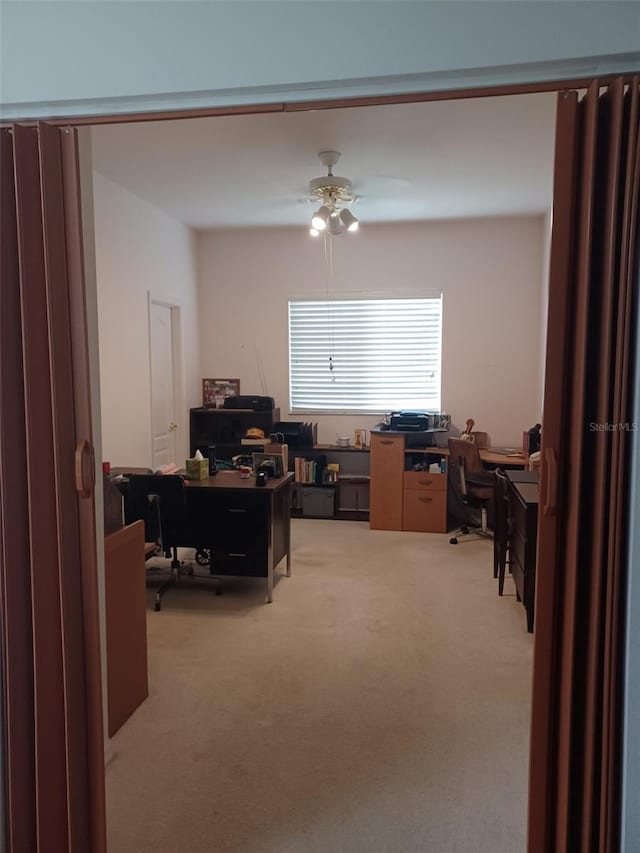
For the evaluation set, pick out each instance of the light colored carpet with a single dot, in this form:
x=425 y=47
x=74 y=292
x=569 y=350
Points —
x=379 y=705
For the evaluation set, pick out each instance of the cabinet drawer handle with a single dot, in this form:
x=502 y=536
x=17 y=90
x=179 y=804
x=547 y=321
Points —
x=236 y=555
x=236 y=510
x=425 y=482
x=386 y=441
x=425 y=500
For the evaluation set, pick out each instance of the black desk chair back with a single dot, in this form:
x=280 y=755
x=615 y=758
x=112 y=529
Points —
x=471 y=484
x=160 y=501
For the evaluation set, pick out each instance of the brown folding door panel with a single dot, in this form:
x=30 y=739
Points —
x=85 y=477
x=16 y=580
x=575 y=751
x=46 y=572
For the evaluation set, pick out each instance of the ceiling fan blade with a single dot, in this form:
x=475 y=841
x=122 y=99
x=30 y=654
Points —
x=381 y=185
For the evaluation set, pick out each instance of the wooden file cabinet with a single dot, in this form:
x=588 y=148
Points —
x=126 y=623
x=424 y=502
x=387 y=481
x=404 y=500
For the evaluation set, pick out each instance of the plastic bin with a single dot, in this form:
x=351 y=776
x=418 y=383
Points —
x=318 y=502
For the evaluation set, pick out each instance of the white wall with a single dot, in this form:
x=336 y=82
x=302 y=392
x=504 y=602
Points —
x=123 y=56
x=139 y=249
x=490 y=272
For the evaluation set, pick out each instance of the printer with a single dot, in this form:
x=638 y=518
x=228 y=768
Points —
x=413 y=421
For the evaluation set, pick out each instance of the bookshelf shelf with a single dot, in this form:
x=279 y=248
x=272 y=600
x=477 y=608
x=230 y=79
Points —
x=350 y=492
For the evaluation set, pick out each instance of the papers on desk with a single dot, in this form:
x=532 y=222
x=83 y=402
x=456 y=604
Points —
x=171 y=468
x=506 y=451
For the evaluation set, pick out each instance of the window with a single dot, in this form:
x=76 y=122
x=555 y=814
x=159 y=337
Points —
x=365 y=355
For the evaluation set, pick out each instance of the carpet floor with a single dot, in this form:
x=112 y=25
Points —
x=379 y=705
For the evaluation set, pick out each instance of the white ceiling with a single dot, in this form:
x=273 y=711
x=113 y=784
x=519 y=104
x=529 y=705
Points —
x=438 y=160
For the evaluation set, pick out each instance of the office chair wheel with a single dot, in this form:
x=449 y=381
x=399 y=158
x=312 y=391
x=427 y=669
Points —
x=203 y=556
x=453 y=540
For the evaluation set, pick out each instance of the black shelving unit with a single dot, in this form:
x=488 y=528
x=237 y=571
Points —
x=226 y=427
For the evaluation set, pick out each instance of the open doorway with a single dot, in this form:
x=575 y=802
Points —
x=407 y=687
x=165 y=356
x=577 y=701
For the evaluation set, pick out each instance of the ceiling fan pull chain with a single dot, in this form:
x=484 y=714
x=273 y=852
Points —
x=331 y=364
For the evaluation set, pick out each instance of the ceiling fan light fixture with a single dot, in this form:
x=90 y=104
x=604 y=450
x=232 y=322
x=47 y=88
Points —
x=314 y=232
x=333 y=193
x=349 y=220
x=320 y=218
x=335 y=225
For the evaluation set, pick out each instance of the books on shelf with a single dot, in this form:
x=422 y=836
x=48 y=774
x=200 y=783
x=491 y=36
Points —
x=315 y=471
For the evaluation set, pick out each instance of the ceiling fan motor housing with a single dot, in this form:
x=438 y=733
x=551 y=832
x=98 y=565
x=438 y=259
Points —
x=332 y=188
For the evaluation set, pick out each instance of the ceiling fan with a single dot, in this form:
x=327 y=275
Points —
x=335 y=194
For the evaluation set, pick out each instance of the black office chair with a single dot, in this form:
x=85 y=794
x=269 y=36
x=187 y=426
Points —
x=160 y=501
x=471 y=485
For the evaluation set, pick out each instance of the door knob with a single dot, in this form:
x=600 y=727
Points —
x=172 y=426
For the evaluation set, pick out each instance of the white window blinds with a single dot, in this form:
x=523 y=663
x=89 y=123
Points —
x=365 y=355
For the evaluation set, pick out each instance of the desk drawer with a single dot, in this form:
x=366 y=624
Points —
x=518 y=577
x=425 y=511
x=241 y=562
x=240 y=521
x=518 y=513
x=423 y=480
x=519 y=549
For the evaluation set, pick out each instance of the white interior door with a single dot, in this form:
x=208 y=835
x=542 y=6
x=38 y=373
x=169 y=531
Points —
x=163 y=415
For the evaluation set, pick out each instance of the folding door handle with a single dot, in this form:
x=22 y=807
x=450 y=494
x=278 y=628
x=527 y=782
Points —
x=550 y=503
x=85 y=469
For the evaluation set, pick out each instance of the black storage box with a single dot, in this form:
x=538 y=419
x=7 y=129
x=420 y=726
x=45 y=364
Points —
x=318 y=502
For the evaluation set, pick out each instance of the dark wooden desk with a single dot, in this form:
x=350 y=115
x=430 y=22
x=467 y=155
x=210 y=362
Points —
x=523 y=531
x=490 y=458
x=246 y=527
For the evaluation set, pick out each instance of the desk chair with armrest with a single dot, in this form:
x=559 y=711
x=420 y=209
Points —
x=160 y=501
x=471 y=485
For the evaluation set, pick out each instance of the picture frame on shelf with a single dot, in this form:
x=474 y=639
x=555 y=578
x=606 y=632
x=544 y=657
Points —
x=272 y=458
x=214 y=391
x=360 y=438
